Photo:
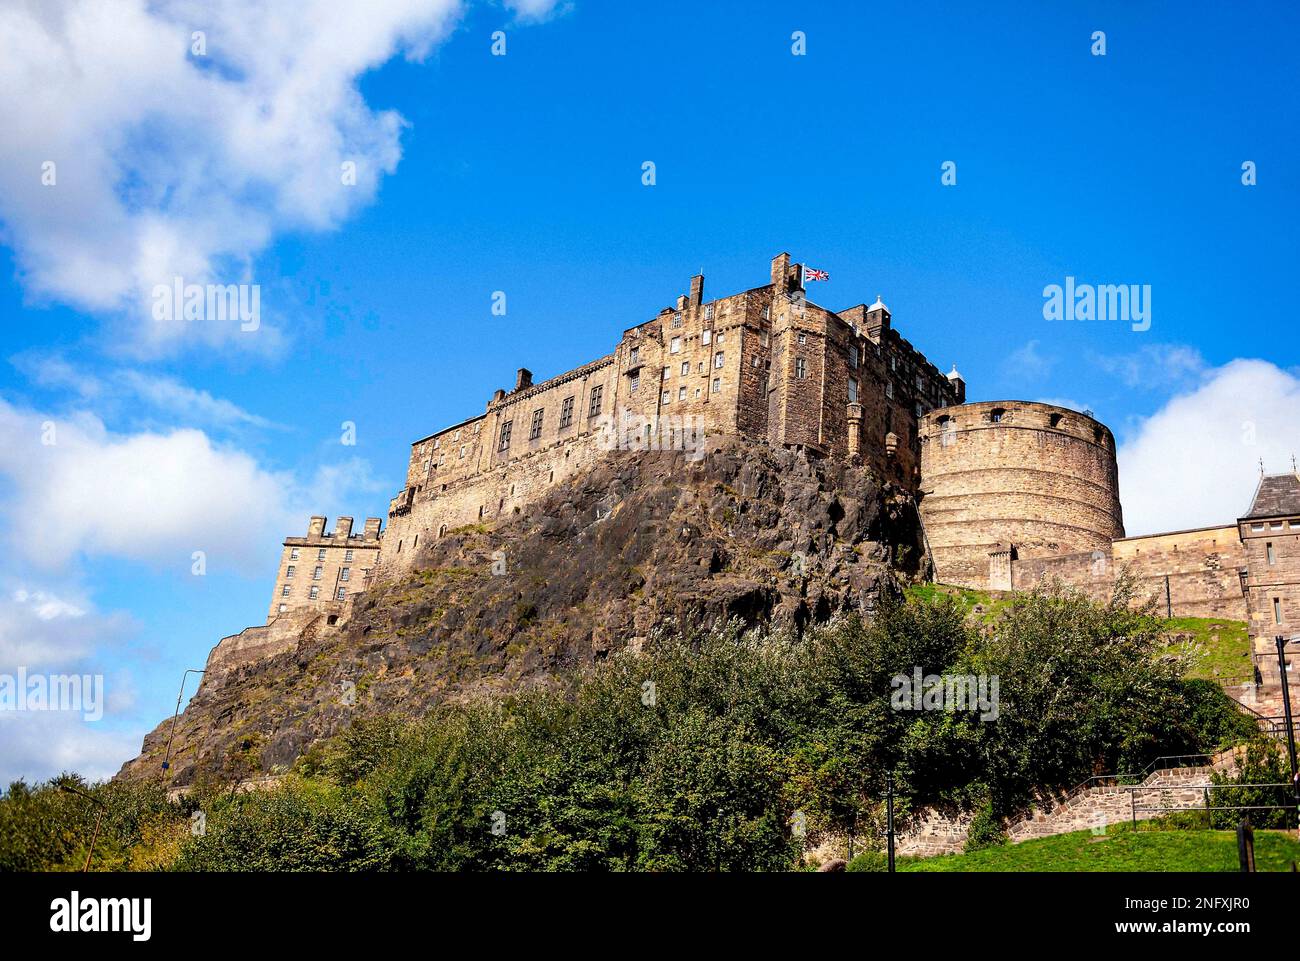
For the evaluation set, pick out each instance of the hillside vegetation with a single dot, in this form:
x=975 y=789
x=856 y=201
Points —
x=718 y=749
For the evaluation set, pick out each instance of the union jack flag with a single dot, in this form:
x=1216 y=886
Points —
x=812 y=273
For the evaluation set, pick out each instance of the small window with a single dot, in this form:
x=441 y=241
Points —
x=314 y=594
x=853 y=356
x=717 y=384
x=681 y=393
x=566 y=412
x=597 y=394
x=320 y=554
x=316 y=574
x=506 y=428
x=800 y=368
x=853 y=390
x=722 y=337
x=803 y=338
x=996 y=415
x=667 y=373
x=634 y=383
x=1268 y=550
x=283 y=608
x=765 y=310
x=665 y=397
x=1275 y=526
x=345 y=574
x=634 y=356
x=347 y=557
x=284 y=591
x=686 y=368
x=719 y=360
x=889 y=389
x=535 y=428
x=342 y=593
x=708 y=312
x=1055 y=420
x=675 y=345
x=290 y=571
x=677 y=321
x=1256 y=527
x=1277 y=610
x=293 y=554
x=706 y=337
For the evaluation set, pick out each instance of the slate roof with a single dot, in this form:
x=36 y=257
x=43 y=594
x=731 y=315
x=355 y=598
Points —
x=1277 y=494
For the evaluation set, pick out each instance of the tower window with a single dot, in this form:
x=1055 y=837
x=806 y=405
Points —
x=996 y=415
x=1277 y=610
x=1268 y=550
x=566 y=412
x=800 y=368
x=506 y=428
x=596 y=395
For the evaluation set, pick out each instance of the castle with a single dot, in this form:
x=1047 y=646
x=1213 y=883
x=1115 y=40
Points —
x=1010 y=493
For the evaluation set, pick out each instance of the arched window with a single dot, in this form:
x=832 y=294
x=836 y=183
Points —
x=996 y=415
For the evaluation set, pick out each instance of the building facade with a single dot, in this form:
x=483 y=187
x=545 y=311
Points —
x=766 y=363
x=1270 y=533
x=320 y=571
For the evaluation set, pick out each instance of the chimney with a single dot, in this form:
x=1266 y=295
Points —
x=497 y=396
x=681 y=302
x=523 y=378
x=372 y=528
x=343 y=527
x=697 y=290
x=316 y=527
x=780 y=269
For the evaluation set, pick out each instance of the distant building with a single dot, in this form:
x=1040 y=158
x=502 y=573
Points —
x=1270 y=532
x=320 y=571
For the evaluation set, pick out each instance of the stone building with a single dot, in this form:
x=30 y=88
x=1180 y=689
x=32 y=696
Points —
x=318 y=572
x=765 y=363
x=1270 y=532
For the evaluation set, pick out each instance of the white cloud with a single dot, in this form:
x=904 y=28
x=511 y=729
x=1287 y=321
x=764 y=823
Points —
x=37 y=745
x=169 y=164
x=1028 y=363
x=51 y=628
x=1155 y=366
x=154 y=497
x=1195 y=462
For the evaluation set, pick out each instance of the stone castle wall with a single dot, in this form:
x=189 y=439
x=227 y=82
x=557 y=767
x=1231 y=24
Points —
x=1013 y=475
x=1272 y=549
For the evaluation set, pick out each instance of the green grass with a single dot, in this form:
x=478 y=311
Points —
x=1121 y=849
x=969 y=599
x=1221 y=647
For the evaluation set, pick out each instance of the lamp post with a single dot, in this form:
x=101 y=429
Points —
x=94 y=835
x=1286 y=711
x=167 y=760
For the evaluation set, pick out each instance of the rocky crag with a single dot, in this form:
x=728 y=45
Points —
x=643 y=541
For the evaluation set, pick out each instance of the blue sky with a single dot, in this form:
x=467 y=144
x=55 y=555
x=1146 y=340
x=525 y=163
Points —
x=522 y=173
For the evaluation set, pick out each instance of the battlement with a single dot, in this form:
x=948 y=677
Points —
x=322 y=570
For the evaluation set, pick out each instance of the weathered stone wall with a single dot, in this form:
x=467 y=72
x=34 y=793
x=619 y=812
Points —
x=1002 y=473
x=1272 y=551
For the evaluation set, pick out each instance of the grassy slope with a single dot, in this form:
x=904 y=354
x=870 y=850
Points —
x=1122 y=849
x=1222 y=647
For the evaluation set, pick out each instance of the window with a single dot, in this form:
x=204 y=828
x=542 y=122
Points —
x=284 y=591
x=765 y=310
x=722 y=336
x=708 y=312
x=686 y=368
x=506 y=428
x=1277 y=610
x=1275 y=526
x=345 y=574
x=800 y=368
x=681 y=393
x=320 y=554
x=566 y=412
x=717 y=384
x=719 y=359
x=437 y=441
x=316 y=574
x=535 y=428
x=762 y=338
x=290 y=571
x=347 y=557
x=596 y=393
x=634 y=356
x=701 y=367
x=677 y=321
x=920 y=410
x=461 y=455
x=314 y=594
x=853 y=356
x=889 y=389
x=668 y=372
x=635 y=382
x=665 y=397
x=706 y=337
x=853 y=390
x=1256 y=527
x=675 y=345
x=803 y=338
x=1268 y=550
x=947 y=431
x=342 y=593
x=293 y=554
x=996 y=415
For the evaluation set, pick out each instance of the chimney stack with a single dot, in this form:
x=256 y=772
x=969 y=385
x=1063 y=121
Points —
x=523 y=378
x=697 y=290
x=343 y=527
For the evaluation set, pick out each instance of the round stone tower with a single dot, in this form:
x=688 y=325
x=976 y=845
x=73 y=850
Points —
x=1011 y=479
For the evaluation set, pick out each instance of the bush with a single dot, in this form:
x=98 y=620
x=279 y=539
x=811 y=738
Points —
x=869 y=861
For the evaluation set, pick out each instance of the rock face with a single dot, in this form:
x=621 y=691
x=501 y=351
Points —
x=642 y=541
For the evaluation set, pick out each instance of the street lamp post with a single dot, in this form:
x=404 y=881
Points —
x=1286 y=712
x=167 y=760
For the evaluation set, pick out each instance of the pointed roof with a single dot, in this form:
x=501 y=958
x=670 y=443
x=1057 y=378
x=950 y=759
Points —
x=952 y=374
x=878 y=305
x=1276 y=495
